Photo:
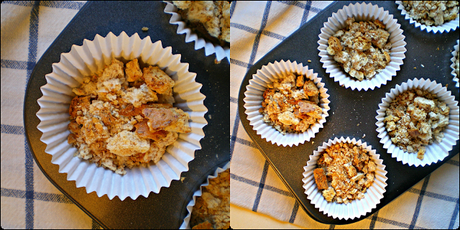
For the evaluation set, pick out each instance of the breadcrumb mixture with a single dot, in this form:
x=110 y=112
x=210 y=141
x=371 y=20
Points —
x=291 y=104
x=344 y=172
x=213 y=15
x=362 y=48
x=212 y=208
x=432 y=13
x=416 y=118
x=124 y=117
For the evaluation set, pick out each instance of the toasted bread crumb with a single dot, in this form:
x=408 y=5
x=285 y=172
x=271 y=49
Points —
x=107 y=123
x=414 y=119
x=348 y=170
x=212 y=208
x=362 y=49
x=291 y=104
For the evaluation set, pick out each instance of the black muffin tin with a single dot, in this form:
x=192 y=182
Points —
x=353 y=112
x=168 y=208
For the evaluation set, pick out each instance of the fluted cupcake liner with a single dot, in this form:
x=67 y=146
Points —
x=186 y=223
x=89 y=58
x=446 y=27
x=362 y=11
x=254 y=97
x=190 y=36
x=454 y=66
x=434 y=152
x=355 y=208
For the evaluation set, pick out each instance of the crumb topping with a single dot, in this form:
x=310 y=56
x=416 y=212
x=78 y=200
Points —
x=361 y=48
x=291 y=104
x=212 y=208
x=213 y=15
x=416 y=118
x=344 y=172
x=123 y=117
x=432 y=13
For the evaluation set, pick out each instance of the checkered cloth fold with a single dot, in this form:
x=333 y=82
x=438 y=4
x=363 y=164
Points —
x=256 y=28
x=29 y=200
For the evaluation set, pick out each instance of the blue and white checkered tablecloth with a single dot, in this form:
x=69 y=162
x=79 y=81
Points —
x=257 y=27
x=29 y=200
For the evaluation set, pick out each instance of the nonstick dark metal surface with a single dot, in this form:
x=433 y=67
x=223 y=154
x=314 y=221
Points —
x=168 y=208
x=353 y=112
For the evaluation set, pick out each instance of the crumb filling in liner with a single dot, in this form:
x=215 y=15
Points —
x=355 y=208
x=362 y=12
x=254 y=97
x=436 y=151
x=444 y=28
x=89 y=58
x=209 y=48
x=186 y=223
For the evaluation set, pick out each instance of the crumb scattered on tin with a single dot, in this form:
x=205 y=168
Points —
x=309 y=61
x=415 y=67
x=145 y=29
x=422 y=65
x=364 y=135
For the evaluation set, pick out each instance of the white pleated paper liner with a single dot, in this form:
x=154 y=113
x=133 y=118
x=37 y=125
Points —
x=355 y=208
x=186 y=223
x=254 y=97
x=86 y=60
x=362 y=12
x=455 y=59
x=190 y=36
x=434 y=152
x=446 y=27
